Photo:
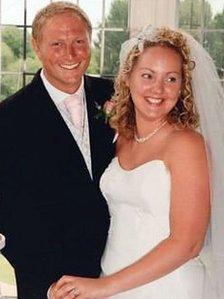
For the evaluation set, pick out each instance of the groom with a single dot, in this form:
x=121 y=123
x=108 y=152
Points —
x=52 y=213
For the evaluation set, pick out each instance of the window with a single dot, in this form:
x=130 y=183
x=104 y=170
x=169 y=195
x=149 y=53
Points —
x=204 y=19
x=18 y=62
x=111 y=20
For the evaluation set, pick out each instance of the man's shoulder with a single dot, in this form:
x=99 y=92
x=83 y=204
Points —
x=98 y=89
x=99 y=80
x=99 y=83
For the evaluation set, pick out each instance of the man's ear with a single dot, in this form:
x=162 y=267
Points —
x=36 y=48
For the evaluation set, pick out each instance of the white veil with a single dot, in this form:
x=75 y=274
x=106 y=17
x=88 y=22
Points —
x=209 y=98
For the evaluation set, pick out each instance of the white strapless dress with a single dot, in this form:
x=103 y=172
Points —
x=139 y=203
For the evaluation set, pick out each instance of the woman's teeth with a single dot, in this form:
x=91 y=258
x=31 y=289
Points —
x=154 y=101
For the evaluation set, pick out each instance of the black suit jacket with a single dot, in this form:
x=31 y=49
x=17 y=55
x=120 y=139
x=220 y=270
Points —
x=52 y=213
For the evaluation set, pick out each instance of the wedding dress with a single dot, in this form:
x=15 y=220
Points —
x=139 y=202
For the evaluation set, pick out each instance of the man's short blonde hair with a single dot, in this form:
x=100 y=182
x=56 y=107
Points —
x=54 y=9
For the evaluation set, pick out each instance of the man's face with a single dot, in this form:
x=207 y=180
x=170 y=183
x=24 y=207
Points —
x=64 y=50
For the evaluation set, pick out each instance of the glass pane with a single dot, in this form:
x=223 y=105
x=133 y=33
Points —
x=214 y=14
x=12 y=48
x=10 y=84
x=113 y=41
x=12 y=12
x=116 y=13
x=214 y=43
x=94 y=67
x=216 y=5
x=32 y=62
x=196 y=34
x=29 y=78
x=93 y=8
x=32 y=7
x=207 y=14
x=217 y=8
x=190 y=14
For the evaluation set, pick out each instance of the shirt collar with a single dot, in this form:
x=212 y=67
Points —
x=58 y=95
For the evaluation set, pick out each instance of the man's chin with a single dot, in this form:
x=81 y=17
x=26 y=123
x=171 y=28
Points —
x=69 y=86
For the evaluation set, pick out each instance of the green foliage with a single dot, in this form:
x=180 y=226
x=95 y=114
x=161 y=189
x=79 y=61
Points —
x=113 y=42
x=12 y=59
x=190 y=18
x=94 y=67
x=217 y=43
x=7 y=56
x=13 y=37
x=190 y=14
x=15 y=66
x=118 y=15
x=9 y=85
x=117 y=18
x=33 y=64
x=218 y=21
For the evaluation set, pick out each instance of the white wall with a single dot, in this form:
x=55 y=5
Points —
x=155 y=12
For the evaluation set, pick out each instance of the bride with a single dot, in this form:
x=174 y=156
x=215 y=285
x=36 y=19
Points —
x=162 y=182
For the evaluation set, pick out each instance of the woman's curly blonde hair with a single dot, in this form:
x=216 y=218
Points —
x=184 y=114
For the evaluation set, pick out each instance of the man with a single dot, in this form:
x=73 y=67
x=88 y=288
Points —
x=52 y=213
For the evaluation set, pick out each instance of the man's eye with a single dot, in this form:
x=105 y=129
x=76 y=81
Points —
x=56 y=44
x=80 y=41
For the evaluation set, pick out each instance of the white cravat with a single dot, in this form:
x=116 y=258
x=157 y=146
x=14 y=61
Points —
x=2 y=241
x=79 y=130
x=74 y=105
x=77 y=117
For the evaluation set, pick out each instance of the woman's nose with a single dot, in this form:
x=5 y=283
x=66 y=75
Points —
x=158 y=86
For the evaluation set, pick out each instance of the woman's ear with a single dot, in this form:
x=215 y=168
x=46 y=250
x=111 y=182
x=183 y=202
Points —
x=126 y=80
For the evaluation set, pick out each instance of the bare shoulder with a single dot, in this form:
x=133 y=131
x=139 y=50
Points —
x=184 y=138
x=121 y=143
x=185 y=146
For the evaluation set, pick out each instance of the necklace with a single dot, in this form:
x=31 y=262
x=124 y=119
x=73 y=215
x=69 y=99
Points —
x=150 y=135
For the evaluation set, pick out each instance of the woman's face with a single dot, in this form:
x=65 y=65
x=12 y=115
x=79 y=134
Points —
x=155 y=83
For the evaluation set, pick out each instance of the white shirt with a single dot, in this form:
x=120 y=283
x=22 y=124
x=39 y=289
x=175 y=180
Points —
x=2 y=241
x=58 y=98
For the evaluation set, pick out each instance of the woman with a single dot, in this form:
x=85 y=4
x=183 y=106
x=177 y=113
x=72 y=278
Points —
x=157 y=187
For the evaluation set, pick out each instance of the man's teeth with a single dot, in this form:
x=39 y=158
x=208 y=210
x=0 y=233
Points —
x=154 y=101
x=69 y=66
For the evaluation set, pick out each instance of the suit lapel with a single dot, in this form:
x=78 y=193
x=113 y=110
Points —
x=100 y=135
x=55 y=128
x=94 y=127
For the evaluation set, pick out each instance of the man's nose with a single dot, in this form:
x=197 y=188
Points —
x=70 y=51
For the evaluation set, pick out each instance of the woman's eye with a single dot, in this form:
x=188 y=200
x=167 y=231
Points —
x=147 y=76
x=172 y=79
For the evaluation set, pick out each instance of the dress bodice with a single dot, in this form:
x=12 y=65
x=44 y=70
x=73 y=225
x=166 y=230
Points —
x=139 y=202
